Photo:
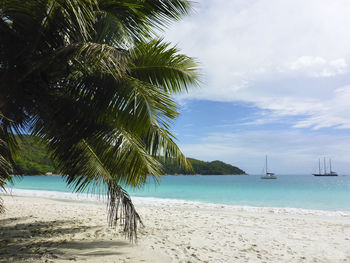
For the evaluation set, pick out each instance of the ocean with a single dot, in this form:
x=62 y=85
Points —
x=288 y=191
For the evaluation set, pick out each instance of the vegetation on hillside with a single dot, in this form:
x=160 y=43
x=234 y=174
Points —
x=33 y=158
x=201 y=167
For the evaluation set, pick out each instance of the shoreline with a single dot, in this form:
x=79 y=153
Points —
x=40 y=229
x=154 y=201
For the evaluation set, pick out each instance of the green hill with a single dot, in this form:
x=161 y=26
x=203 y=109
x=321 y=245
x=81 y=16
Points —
x=203 y=168
x=33 y=159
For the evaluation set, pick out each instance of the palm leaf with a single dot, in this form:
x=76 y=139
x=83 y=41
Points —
x=139 y=20
x=161 y=65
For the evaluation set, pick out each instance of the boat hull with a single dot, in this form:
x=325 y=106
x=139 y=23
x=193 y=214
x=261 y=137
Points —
x=269 y=177
x=325 y=174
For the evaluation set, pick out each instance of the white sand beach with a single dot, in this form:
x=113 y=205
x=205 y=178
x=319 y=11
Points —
x=38 y=229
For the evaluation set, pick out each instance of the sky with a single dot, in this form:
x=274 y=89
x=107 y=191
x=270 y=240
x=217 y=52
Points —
x=275 y=81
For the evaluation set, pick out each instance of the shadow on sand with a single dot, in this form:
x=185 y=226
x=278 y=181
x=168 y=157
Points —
x=45 y=241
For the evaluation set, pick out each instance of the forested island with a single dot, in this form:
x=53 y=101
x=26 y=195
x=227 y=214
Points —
x=33 y=159
x=203 y=168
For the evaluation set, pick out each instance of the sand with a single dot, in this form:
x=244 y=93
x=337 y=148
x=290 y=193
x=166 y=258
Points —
x=38 y=229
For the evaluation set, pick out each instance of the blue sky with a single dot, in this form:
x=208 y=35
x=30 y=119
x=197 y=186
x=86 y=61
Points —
x=276 y=81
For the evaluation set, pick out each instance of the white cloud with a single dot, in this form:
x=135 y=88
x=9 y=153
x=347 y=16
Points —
x=274 y=54
x=306 y=62
x=318 y=66
x=330 y=113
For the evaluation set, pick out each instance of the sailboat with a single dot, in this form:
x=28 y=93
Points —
x=331 y=173
x=267 y=174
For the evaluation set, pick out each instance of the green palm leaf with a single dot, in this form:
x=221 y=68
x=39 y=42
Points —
x=161 y=65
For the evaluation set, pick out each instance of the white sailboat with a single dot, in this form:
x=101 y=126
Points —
x=267 y=174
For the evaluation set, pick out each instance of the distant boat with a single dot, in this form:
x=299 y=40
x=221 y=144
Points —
x=325 y=173
x=267 y=174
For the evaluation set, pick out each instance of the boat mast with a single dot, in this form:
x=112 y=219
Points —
x=330 y=165
x=319 y=166
x=266 y=163
x=324 y=163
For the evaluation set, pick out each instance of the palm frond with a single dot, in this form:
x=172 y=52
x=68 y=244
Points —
x=121 y=208
x=8 y=147
x=140 y=19
x=160 y=144
x=151 y=104
x=161 y=65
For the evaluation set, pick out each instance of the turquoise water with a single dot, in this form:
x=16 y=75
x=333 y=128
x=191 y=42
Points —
x=298 y=191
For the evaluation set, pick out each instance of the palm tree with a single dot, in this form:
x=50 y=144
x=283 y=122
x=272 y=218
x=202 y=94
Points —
x=91 y=80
